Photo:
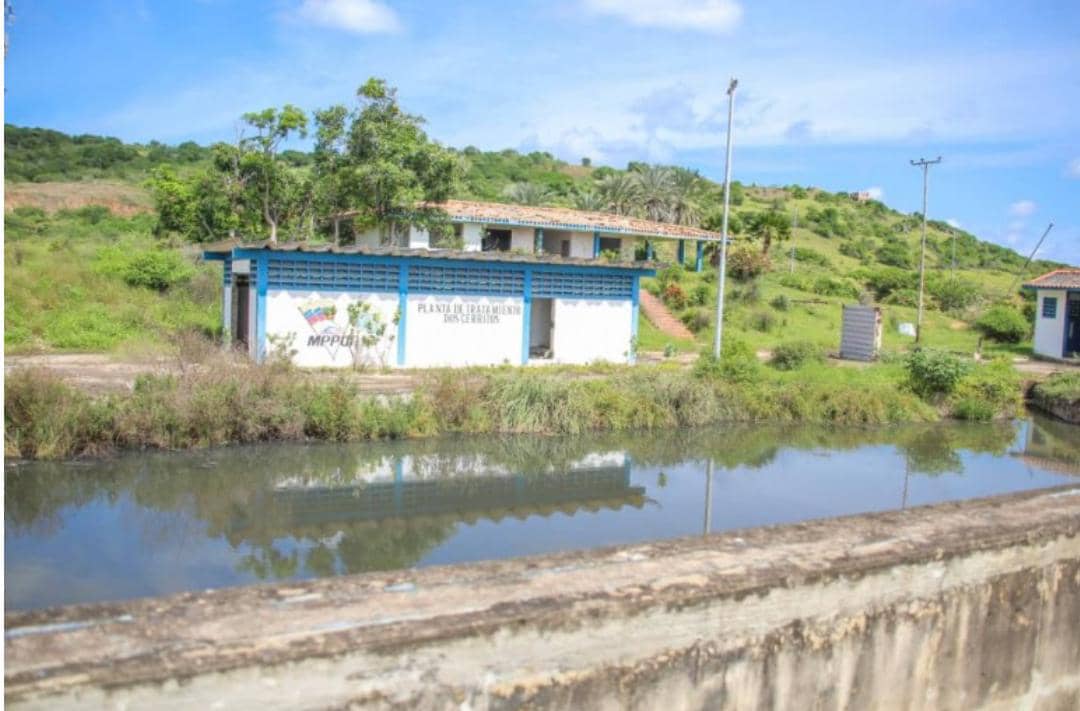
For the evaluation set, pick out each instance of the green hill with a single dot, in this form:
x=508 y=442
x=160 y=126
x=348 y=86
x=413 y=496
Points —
x=86 y=278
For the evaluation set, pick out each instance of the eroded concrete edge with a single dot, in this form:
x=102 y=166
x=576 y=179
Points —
x=560 y=615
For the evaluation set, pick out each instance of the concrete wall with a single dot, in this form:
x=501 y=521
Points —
x=1050 y=332
x=463 y=330
x=588 y=330
x=958 y=606
x=523 y=238
x=333 y=342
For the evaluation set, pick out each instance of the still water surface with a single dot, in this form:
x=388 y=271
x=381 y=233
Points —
x=156 y=523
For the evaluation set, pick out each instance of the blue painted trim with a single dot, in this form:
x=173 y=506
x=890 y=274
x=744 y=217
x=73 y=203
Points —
x=216 y=256
x=595 y=244
x=634 y=298
x=526 y=318
x=463 y=262
x=682 y=251
x=699 y=261
x=261 y=281
x=403 y=310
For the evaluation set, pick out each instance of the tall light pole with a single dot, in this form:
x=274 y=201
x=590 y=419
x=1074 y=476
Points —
x=925 y=165
x=718 y=337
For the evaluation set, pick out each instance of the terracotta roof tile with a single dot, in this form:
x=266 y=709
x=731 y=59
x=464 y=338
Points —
x=1057 y=279
x=567 y=219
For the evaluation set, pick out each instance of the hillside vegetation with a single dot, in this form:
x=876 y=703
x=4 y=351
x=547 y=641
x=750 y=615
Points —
x=80 y=277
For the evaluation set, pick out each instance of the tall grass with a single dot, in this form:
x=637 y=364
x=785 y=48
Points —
x=223 y=401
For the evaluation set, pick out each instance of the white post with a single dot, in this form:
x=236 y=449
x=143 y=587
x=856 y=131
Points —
x=718 y=338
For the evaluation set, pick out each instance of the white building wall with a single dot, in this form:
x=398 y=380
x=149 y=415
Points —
x=522 y=238
x=581 y=244
x=473 y=234
x=588 y=330
x=370 y=237
x=419 y=238
x=332 y=342
x=1050 y=332
x=463 y=330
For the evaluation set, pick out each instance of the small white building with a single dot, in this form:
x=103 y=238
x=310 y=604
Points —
x=1057 y=313
x=530 y=285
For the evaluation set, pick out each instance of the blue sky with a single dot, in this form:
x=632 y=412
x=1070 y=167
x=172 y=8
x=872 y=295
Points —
x=840 y=94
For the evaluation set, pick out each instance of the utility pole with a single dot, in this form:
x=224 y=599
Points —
x=794 y=226
x=718 y=337
x=925 y=165
x=1020 y=274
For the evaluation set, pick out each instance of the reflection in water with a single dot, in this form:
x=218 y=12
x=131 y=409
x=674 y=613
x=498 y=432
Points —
x=162 y=522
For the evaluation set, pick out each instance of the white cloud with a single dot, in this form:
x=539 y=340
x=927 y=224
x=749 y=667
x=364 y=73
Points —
x=953 y=222
x=702 y=15
x=1073 y=169
x=359 y=16
x=875 y=192
x=1022 y=208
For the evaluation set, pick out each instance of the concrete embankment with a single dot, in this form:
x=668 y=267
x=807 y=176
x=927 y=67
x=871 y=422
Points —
x=957 y=606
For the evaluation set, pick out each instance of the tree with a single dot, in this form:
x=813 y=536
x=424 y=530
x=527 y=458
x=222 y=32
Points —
x=527 y=193
x=657 y=187
x=772 y=224
x=619 y=192
x=396 y=175
x=331 y=179
x=589 y=200
x=275 y=187
x=685 y=207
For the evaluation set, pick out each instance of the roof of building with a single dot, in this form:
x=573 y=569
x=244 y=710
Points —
x=226 y=247
x=1057 y=279
x=564 y=218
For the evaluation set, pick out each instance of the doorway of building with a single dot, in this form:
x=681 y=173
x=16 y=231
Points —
x=1072 y=325
x=496 y=241
x=541 y=327
x=241 y=303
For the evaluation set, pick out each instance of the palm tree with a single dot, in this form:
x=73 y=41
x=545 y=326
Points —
x=619 y=192
x=685 y=197
x=657 y=185
x=589 y=200
x=773 y=224
x=527 y=193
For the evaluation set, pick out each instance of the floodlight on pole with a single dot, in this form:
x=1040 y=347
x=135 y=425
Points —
x=718 y=337
x=925 y=165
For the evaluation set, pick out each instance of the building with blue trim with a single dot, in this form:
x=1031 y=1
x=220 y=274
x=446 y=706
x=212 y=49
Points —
x=342 y=306
x=1057 y=314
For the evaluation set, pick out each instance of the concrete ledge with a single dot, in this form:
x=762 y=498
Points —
x=963 y=605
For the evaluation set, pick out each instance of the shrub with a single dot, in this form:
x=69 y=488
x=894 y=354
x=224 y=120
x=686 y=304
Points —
x=795 y=354
x=810 y=256
x=745 y=263
x=932 y=372
x=674 y=296
x=696 y=320
x=738 y=363
x=953 y=293
x=158 y=270
x=827 y=286
x=669 y=275
x=1002 y=323
x=902 y=297
x=763 y=321
x=701 y=295
x=857 y=249
x=988 y=391
x=781 y=303
x=885 y=280
x=797 y=281
x=895 y=254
